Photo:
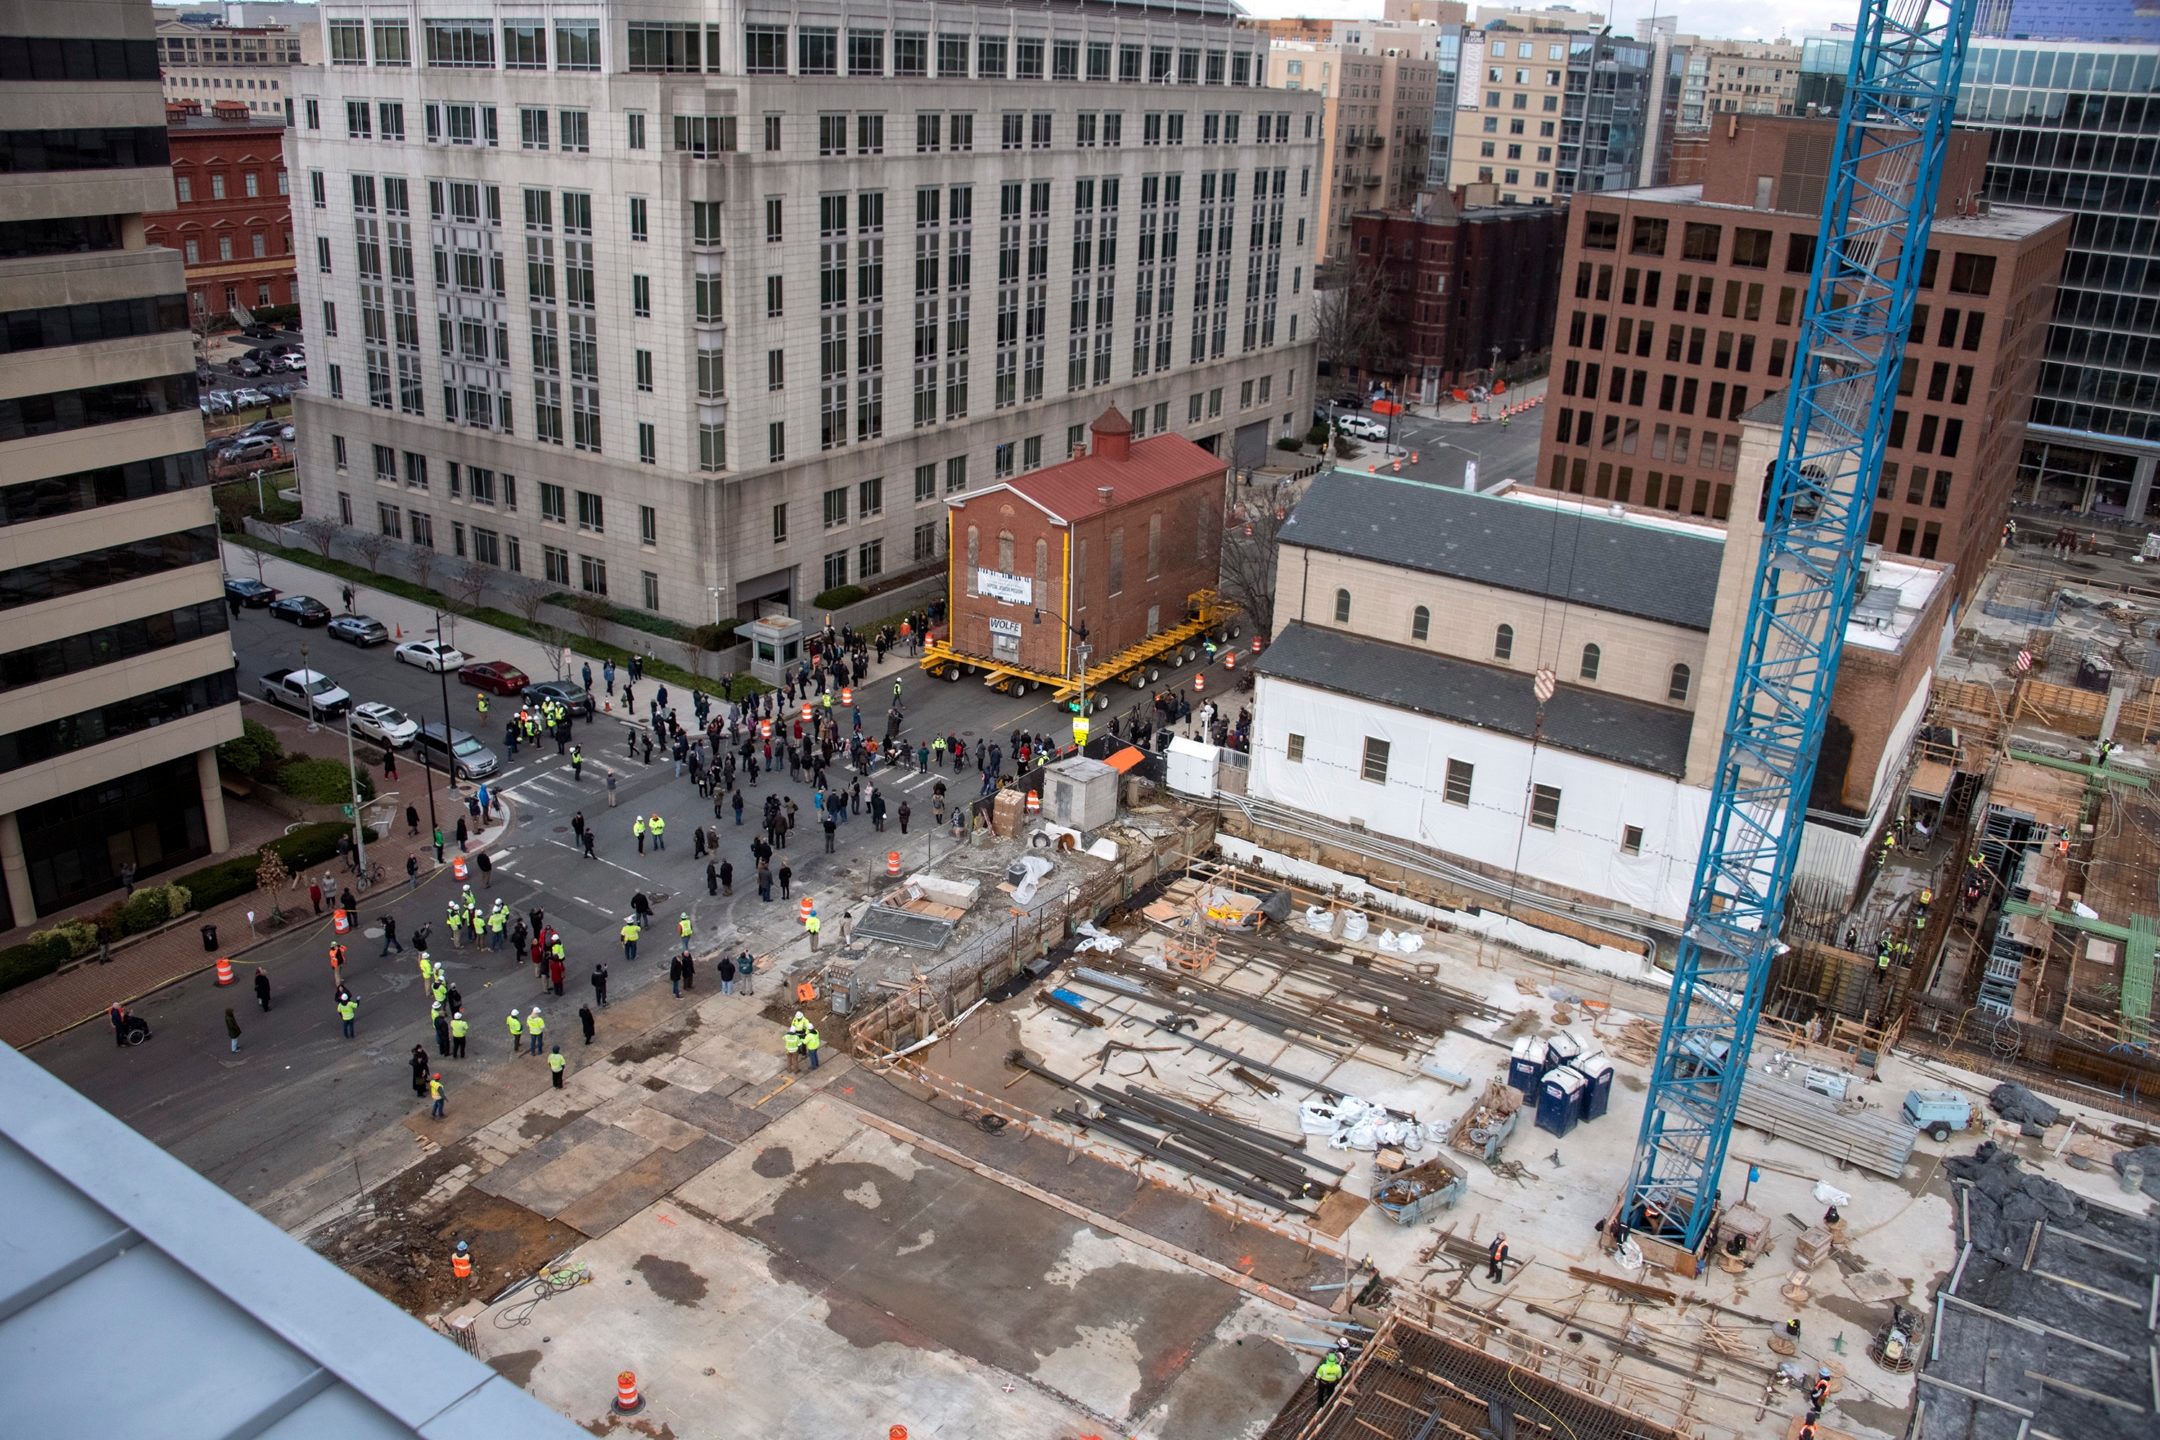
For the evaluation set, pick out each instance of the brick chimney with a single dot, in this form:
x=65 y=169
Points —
x=1113 y=435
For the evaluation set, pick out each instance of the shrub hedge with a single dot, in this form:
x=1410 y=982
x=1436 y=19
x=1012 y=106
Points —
x=324 y=782
x=839 y=597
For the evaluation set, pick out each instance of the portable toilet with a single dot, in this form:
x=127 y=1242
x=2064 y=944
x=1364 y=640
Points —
x=1527 y=1064
x=1562 y=1049
x=1560 y=1100
x=1597 y=1073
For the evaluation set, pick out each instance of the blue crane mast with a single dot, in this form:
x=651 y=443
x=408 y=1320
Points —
x=1878 y=207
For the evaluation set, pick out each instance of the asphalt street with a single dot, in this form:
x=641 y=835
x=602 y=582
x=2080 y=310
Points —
x=1445 y=449
x=300 y=1117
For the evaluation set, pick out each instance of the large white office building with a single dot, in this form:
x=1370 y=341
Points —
x=705 y=306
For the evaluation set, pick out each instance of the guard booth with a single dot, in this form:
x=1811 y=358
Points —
x=775 y=644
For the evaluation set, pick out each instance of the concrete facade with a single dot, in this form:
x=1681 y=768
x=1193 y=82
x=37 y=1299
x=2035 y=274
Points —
x=757 y=360
x=233 y=224
x=1737 y=77
x=248 y=65
x=118 y=674
x=1660 y=427
x=1374 y=122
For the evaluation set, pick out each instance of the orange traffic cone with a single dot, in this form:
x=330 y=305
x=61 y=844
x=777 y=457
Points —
x=892 y=862
x=398 y=632
x=627 y=1400
x=225 y=974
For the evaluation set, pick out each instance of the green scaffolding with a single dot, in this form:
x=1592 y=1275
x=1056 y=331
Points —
x=2137 y=975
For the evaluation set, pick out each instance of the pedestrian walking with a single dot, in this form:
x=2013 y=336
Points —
x=787 y=874
x=1495 y=1256
x=631 y=930
x=262 y=989
x=438 y=845
x=389 y=937
x=419 y=1062
x=314 y=895
x=589 y=844
x=585 y=1021
x=674 y=975
x=487 y=871
x=412 y=873
x=463 y=835
x=599 y=983
x=232 y=1031
x=346 y=1010
x=611 y=788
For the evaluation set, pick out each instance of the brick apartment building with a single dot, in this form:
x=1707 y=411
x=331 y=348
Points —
x=1680 y=306
x=234 y=220
x=1465 y=283
x=1114 y=541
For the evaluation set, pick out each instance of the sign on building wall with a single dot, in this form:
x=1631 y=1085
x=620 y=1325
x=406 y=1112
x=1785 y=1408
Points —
x=1013 y=589
x=1470 y=92
x=1009 y=628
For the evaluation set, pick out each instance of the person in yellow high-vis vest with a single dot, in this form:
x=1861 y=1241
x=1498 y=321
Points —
x=794 y=1043
x=1326 y=1378
x=637 y=828
x=658 y=827
x=458 y=1029
x=810 y=1043
x=631 y=930
x=810 y=927
x=517 y=1033
x=535 y=1026
x=555 y=1065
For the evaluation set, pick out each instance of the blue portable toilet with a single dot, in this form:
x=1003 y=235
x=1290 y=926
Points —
x=1597 y=1073
x=1563 y=1049
x=1560 y=1100
x=1527 y=1064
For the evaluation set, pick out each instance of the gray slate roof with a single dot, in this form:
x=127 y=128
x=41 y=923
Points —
x=1606 y=727
x=139 y=1299
x=1556 y=552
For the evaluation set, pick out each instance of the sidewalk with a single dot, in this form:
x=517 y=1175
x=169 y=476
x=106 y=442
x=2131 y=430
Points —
x=1456 y=412
x=44 y=1008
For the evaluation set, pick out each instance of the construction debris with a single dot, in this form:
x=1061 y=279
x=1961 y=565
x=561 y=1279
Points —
x=2020 y=1106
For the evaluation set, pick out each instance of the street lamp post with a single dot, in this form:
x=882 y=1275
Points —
x=1477 y=458
x=353 y=779
x=442 y=674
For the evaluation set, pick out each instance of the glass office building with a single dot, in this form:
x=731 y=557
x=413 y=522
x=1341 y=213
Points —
x=2077 y=127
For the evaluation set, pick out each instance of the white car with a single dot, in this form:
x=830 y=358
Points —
x=384 y=724
x=1363 y=427
x=430 y=654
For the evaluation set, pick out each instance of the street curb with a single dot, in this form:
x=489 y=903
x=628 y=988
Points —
x=509 y=824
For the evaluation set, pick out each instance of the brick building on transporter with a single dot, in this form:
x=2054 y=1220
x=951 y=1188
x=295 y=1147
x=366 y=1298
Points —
x=233 y=224
x=1681 y=305
x=1114 y=541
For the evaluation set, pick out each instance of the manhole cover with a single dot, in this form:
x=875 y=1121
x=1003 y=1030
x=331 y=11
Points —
x=559 y=829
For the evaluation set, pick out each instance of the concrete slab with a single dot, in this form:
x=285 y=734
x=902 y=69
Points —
x=538 y=1144
x=725 y=1347
x=562 y=1182
x=623 y=1195
x=744 y=1184
x=715 y=1114
x=663 y=1130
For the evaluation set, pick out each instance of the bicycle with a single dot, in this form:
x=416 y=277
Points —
x=373 y=875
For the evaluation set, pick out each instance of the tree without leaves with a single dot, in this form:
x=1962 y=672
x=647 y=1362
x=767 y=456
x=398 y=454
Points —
x=422 y=559
x=554 y=639
x=1357 y=323
x=371 y=547
x=465 y=579
x=526 y=595
x=1248 y=561
x=271 y=876
x=592 y=615
x=319 y=532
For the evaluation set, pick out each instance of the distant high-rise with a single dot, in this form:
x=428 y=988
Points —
x=116 y=682
x=2072 y=130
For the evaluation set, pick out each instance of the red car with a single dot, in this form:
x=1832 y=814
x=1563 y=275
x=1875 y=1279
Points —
x=496 y=676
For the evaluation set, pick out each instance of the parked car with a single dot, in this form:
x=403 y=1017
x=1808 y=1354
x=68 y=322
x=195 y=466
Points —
x=251 y=593
x=244 y=367
x=498 y=677
x=1363 y=427
x=384 y=724
x=268 y=428
x=361 y=630
x=247 y=399
x=292 y=360
x=300 y=610
x=460 y=755
x=260 y=332
x=567 y=693
x=219 y=401
x=429 y=655
x=249 y=450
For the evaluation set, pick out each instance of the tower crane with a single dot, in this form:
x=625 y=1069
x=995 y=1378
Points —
x=1878 y=208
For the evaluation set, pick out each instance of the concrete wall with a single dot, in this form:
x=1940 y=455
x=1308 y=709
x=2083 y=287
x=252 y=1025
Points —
x=1583 y=857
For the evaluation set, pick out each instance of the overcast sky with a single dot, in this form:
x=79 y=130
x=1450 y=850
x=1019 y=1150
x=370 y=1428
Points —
x=1727 y=19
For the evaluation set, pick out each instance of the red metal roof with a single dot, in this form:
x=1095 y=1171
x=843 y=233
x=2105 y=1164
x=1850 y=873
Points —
x=1154 y=466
